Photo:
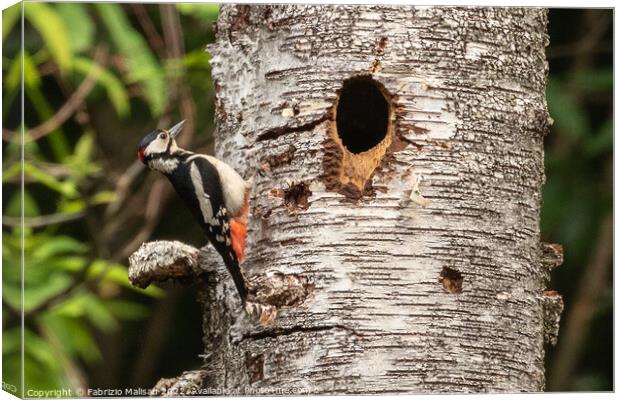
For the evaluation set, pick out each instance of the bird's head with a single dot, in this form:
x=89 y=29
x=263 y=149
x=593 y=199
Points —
x=159 y=143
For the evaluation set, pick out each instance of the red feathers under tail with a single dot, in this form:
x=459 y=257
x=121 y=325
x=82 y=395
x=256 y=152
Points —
x=238 y=230
x=237 y=236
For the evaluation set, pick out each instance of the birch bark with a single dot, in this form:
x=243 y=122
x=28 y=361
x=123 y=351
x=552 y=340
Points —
x=397 y=232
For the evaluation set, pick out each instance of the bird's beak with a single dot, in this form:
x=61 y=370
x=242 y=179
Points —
x=175 y=130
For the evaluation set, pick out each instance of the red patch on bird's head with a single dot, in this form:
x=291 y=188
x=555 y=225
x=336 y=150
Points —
x=141 y=154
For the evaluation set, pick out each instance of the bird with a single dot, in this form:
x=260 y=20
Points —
x=215 y=194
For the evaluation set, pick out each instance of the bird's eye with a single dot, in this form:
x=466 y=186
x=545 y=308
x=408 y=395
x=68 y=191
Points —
x=162 y=135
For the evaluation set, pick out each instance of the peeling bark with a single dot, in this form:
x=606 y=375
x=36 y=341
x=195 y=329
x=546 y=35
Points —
x=415 y=265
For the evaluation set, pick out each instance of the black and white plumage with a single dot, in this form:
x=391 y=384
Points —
x=212 y=190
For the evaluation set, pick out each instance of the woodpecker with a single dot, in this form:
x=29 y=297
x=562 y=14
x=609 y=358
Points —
x=213 y=191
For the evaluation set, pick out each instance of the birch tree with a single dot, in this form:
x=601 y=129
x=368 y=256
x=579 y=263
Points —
x=394 y=242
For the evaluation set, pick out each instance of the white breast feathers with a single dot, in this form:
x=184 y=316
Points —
x=165 y=165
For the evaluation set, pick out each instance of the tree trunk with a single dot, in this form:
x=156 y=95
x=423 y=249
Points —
x=396 y=231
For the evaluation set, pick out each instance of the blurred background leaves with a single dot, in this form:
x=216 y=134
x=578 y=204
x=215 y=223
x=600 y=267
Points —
x=97 y=77
x=578 y=195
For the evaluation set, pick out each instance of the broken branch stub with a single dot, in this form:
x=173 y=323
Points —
x=161 y=261
x=552 y=255
x=553 y=305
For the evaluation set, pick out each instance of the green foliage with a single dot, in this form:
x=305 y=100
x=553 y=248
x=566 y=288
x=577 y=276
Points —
x=82 y=34
x=204 y=12
x=14 y=207
x=72 y=289
x=57 y=140
x=13 y=78
x=10 y=17
x=53 y=31
x=580 y=186
x=109 y=81
x=40 y=359
x=564 y=108
x=58 y=272
x=142 y=64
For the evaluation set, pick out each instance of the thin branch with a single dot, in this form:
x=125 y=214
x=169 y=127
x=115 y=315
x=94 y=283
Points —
x=69 y=108
x=151 y=33
x=53 y=169
x=133 y=207
x=123 y=183
x=48 y=68
x=173 y=35
x=158 y=197
x=42 y=220
x=187 y=112
x=58 y=171
x=173 y=48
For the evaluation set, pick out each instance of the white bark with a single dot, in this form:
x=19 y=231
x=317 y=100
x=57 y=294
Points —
x=414 y=266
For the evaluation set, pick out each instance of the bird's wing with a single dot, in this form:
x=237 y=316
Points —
x=206 y=183
x=222 y=230
x=234 y=187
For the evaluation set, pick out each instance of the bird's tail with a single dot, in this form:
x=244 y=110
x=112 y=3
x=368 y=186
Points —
x=232 y=264
x=221 y=237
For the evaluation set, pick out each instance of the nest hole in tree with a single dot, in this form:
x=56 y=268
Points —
x=361 y=132
x=362 y=114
